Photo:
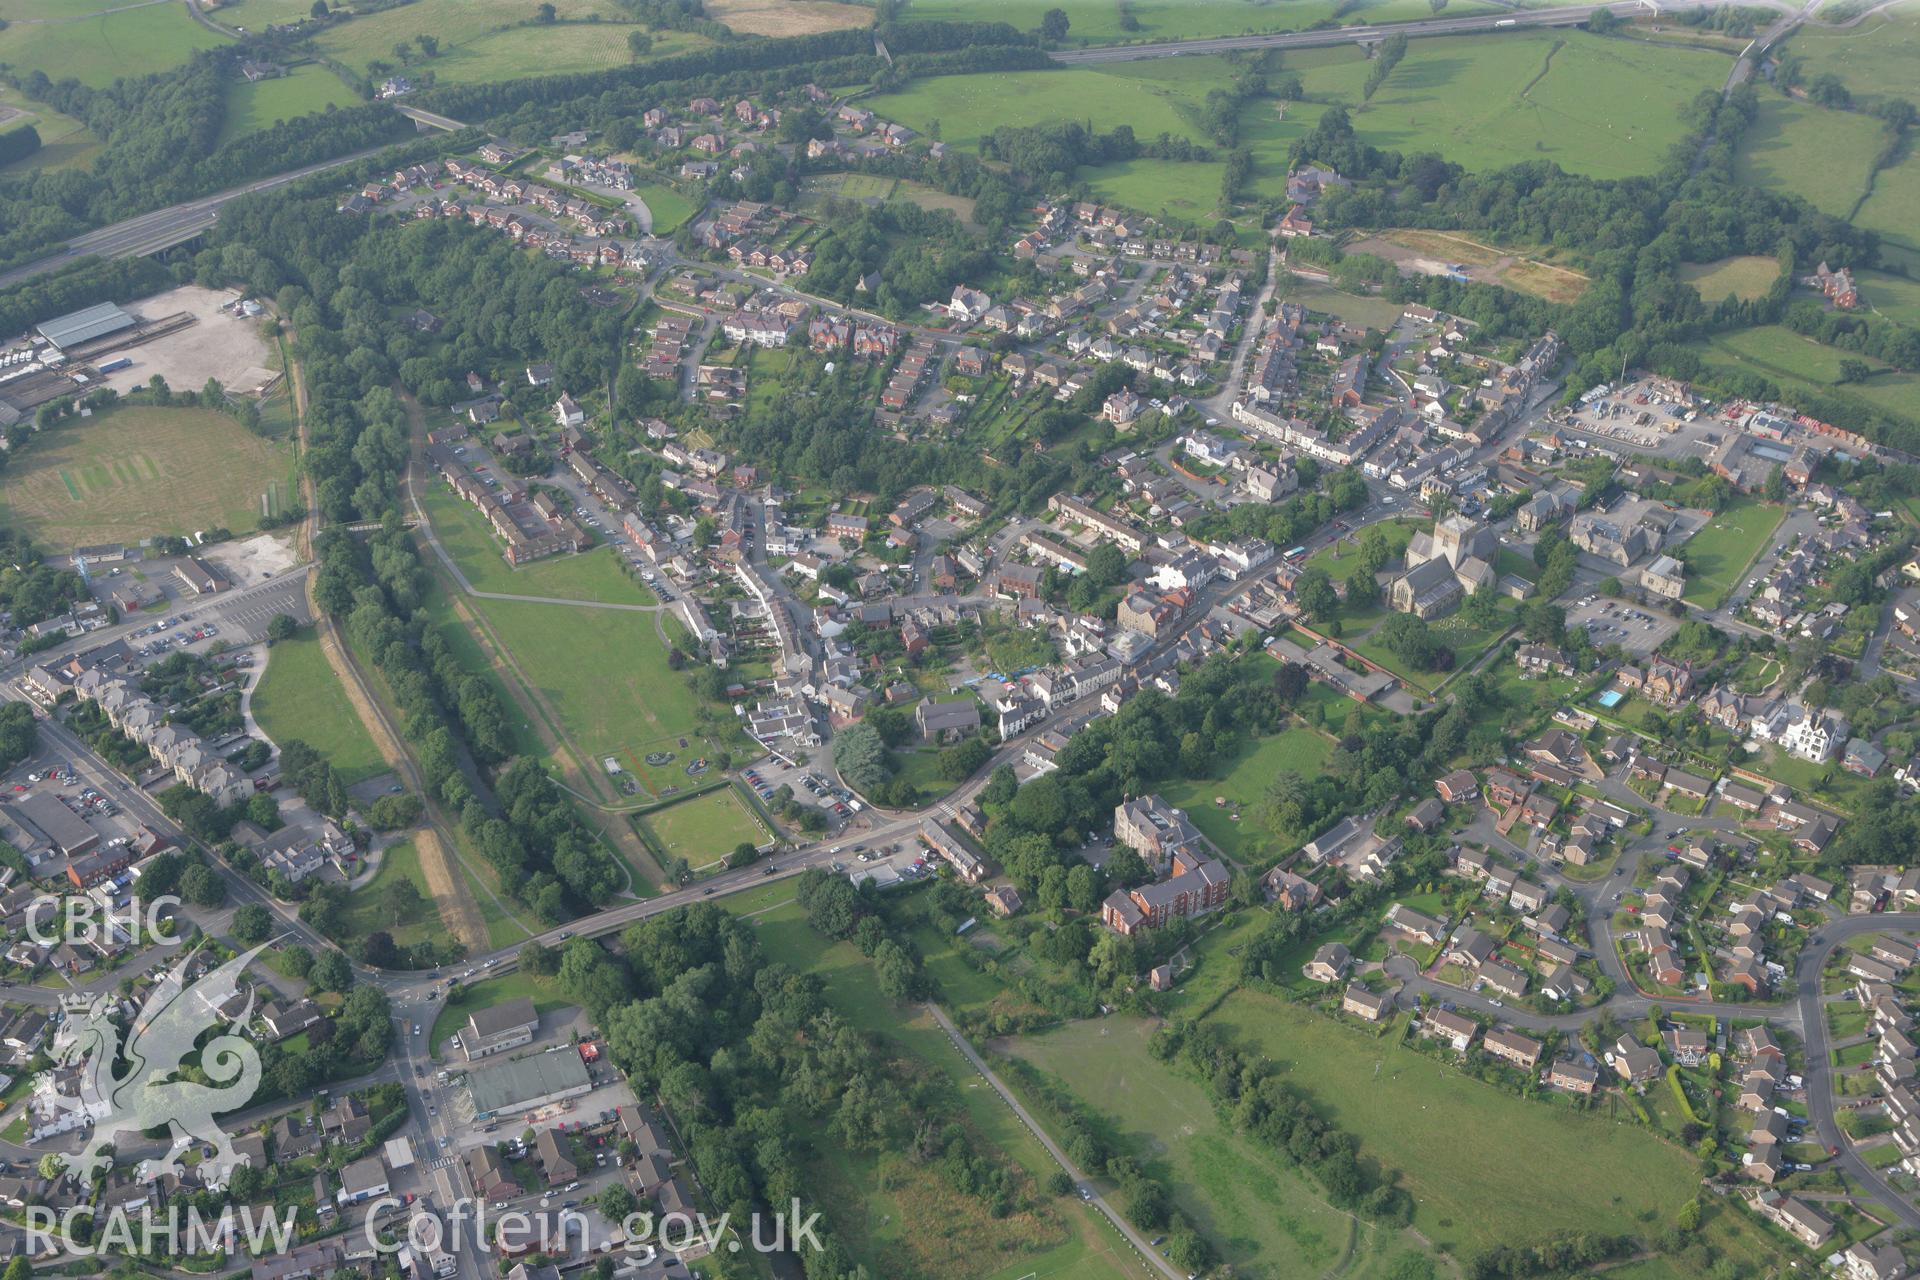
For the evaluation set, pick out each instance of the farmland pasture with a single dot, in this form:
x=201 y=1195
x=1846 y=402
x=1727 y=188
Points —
x=96 y=42
x=787 y=17
x=1889 y=210
x=1895 y=297
x=1094 y=22
x=138 y=470
x=1746 y=277
x=302 y=91
x=971 y=107
x=1800 y=364
x=1874 y=59
x=482 y=40
x=1820 y=155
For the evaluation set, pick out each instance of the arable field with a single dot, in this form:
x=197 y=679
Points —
x=1232 y=825
x=1809 y=151
x=706 y=828
x=1745 y=277
x=590 y=575
x=878 y=1211
x=1268 y=1220
x=301 y=92
x=300 y=697
x=1427 y=1120
x=482 y=40
x=608 y=689
x=96 y=41
x=787 y=17
x=1725 y=546
x=138 y=470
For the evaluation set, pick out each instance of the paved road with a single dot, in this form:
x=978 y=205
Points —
x=1819 y=1068
x=1090 y=1192
x=164 y=228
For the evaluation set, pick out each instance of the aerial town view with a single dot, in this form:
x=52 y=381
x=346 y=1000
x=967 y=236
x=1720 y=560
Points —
x=959 y=639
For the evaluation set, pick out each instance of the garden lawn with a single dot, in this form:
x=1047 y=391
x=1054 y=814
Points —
x=1746 y=277
x=303 y=91
x=98 y=43
x=1300 y=749
x=1819 y=155
x=1060 y=1240
x=469 y=998
x=591 y=575
x=300 y=697
x=1725 y=546
x=137 y=470
x=1267 y=1219
x=1411 y=1113
x=705 y=828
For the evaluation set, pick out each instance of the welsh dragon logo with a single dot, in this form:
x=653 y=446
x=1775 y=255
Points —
x=152 y=1093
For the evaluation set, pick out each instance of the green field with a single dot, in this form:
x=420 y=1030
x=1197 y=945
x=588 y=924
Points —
x=1820 y=155
x=1874 y=59
x=706 y=828
x=1374 y=312
x=299 y=697
x=668 y=206
x=608 y=688
x=302 y=91
x=1300 y=749
x=1895 y=297
x=971 y=107
x=65 y=143
x=1064 y=1241
x=138 y=470
x=1746 y=277
x=1341 y=560
x=485 y=40
x=1800 y=364
x=1579 y=1173
x=1725 y=546
x=1266 y=1218
x=1889 y=210
x=368 y=911
x=96 y=43
x=1098 y=21
x=592 y=575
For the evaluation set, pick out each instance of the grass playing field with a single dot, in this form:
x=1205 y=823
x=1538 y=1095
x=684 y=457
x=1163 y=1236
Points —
x=608 y=687
x=483 y=40
x=96 y=41
x=1725 y=546
x=591 y=575
x=135 y=471
x=1814 y=153
x=1266 y=1218
x=706 y=828
x=302 y=91
x=1233 y=825
x=1745 y=277
x=299 y=697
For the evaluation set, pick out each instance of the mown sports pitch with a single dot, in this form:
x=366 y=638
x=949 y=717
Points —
x=138 y=470
x=1725 y=546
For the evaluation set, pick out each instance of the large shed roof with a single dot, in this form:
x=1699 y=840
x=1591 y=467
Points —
x=85 y=325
